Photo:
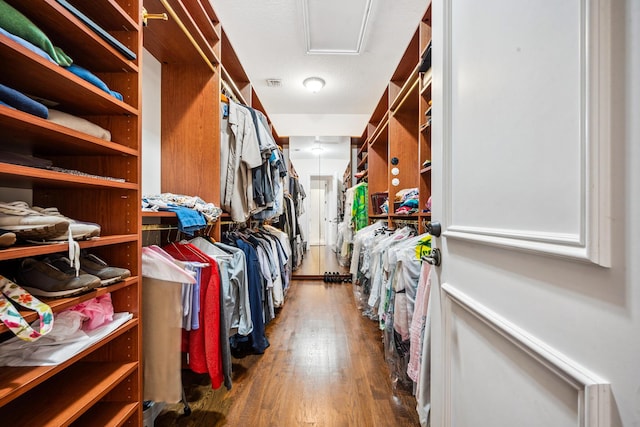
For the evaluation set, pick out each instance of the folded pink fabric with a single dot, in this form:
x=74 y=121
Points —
x=97 y=311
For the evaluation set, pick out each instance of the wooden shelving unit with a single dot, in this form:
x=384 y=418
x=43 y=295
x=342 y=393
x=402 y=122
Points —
x=398 y=135
x=102 y=382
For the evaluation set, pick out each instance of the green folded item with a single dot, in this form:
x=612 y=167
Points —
x=17 y=24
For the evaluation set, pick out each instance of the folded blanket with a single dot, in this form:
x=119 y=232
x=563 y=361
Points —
x=33 y=48
x=16 y=23
x=93 y=79
x=79 y=124
x=22 y=102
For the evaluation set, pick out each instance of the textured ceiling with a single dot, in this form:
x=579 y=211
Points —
x=271 y=40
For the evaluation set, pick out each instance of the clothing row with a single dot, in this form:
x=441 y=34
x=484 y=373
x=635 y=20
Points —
x=355 y=217
x=252 y=182
x=392 y=288
x=210 y=300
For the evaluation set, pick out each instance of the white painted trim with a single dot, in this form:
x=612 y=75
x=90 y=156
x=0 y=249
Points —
x=593 y=242
x=307 y=33
x=593 y=393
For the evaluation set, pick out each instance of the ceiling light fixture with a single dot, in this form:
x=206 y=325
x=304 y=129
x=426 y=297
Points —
x=313 y=84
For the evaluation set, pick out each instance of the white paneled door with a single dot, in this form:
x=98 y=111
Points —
x=535 y=314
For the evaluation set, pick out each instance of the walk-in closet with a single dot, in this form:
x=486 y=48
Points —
x=413 y=213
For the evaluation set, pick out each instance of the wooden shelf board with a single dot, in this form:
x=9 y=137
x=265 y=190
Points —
x=17 y=381
x=28 y=177
x=60 y=304
x=159 y=214
x=381 y=131
x=168 y=43
x=380 y=216
x=108 y=414
x=424 y=214
x=65 y=397
x=425 y=126
x=425 y=170
x=76 y=39
x=108 y=14
x=39 y=136
x=227 y=77
x=24 y=251
x=403 y=96
x=32 y=74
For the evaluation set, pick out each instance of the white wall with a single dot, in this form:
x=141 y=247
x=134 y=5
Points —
x=151 y=122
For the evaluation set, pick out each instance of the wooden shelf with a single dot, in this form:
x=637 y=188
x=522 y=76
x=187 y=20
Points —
x=32 y=74
x=379 y=216
x=363 y=161
x=425 y=126
x=426 y=80
x=108 y=14
x=425 y=170
x=107 y=414
x=64 y=397
x=159 y=214
x=181 y=40
x=28 y=177
x=60 y=304
x=407 y=89
x=380 y=133
x=24 y=251
x=25 y=132
x=75 y=38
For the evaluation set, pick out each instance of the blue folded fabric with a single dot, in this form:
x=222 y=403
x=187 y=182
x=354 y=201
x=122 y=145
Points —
x=33 y=48
x=88 y=76
x=22 y=102
x=6 y=105
x=189 y=220
x=411 y=203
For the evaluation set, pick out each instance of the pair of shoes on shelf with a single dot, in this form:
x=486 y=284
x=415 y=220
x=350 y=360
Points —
x=55 y=277
x=91 y=264
x=43 y=224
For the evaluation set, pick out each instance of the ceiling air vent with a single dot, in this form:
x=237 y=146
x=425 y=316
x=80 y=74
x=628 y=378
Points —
x=274 y=82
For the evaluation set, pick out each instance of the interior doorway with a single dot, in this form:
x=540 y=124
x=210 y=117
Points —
x=319 y=210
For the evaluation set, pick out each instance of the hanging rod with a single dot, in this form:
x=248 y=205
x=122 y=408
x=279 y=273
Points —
x=158 y=227
x=186 y=32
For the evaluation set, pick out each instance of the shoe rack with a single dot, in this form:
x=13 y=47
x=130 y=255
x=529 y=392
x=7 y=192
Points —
x=101 y=385
x=397 y=139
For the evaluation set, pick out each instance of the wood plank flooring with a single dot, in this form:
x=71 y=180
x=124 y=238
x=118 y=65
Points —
x=324 y=368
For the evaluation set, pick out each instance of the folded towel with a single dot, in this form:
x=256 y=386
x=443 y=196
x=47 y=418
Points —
x=87 y=75
x=22 y=102
x=189 y=220
x=16 y=23
x=79 y=124
x=33 y=48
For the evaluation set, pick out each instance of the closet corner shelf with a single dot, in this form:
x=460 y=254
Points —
x=425 y=170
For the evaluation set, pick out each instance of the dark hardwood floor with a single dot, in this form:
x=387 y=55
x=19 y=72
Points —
x=325 y=368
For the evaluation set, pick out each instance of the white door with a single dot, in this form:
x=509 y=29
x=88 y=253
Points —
x=536 y=305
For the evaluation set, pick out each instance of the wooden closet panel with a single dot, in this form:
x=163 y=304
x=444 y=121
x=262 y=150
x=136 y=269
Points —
x=191 y=132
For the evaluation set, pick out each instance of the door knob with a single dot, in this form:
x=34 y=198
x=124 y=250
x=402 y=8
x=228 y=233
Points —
x=435 y=258
x=434 y=228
